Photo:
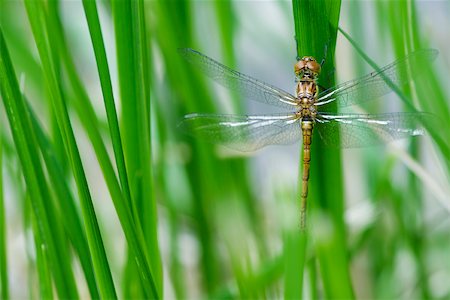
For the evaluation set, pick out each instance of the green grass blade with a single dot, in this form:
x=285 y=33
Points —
x=295 y=260
x=10 y=95
x=47 y=236
x=3 y=253
x=88 y=118
x=67 y=208
x=326 y=198
x=432 y=87
x=227 y=27
x=128 y=25
x=36 y=15
x=125 y=62
x=225 y=14
x=148 y=210
x=90 y=9
x=191 y=95
x=42 y=264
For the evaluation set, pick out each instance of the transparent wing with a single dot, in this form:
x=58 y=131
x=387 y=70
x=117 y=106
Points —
x=374 y=85
x=243 y=133
x=247 y=86
x=355 y=130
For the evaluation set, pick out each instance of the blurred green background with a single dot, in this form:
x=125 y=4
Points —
x=103 y=196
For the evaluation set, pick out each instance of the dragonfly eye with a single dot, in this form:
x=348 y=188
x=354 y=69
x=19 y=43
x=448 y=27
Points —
x=307 y=66
x=299 y=66
x=314 y=66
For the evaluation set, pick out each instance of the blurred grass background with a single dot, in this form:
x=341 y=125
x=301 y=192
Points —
x=101 y=195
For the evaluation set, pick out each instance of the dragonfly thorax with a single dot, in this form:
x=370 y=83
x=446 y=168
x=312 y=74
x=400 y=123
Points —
x=307 y=109
x=306 y=89
x=307 y=93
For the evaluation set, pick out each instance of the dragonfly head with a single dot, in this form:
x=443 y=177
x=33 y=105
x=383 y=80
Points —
x=307 y=67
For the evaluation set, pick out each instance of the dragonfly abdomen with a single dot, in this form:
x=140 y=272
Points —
x=307 y=128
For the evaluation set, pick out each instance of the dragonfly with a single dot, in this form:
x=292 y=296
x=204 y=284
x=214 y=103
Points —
x=308 y=110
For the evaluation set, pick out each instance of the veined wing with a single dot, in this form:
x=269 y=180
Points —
x=374 y=85
x=249 y=87
x=244 y=133
x=359 y=130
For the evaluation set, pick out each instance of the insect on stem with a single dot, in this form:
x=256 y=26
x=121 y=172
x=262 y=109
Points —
x=341 y=130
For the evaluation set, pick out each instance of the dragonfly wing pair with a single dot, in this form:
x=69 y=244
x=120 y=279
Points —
x=246 y=86
x=360 y=130
x=249 y=133
x=244 y=133
x=377 y=83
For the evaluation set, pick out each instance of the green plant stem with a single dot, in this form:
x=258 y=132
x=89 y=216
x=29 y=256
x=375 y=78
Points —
x=327 y=197
x=132 y=65
x=295 y=260
x=3 y=253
